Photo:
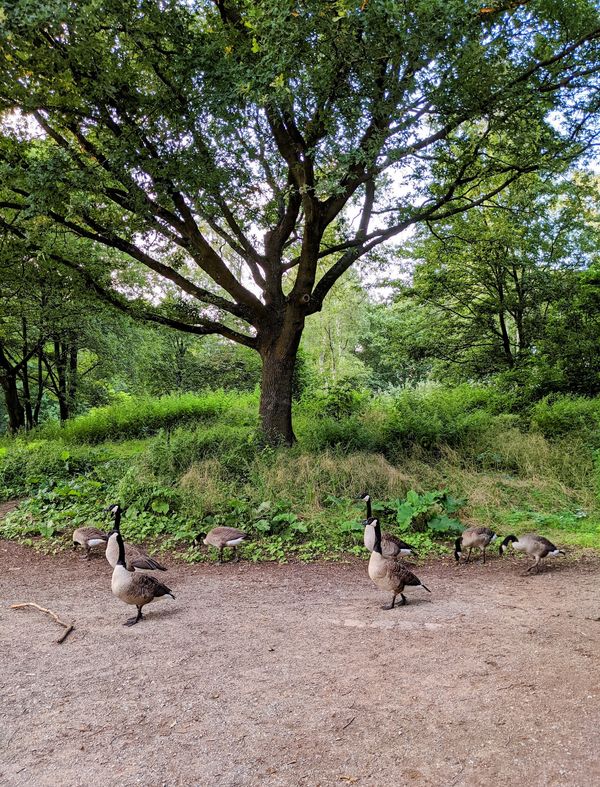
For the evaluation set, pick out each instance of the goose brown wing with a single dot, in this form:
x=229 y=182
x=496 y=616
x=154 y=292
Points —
x=91 y=532
x=137 y=558
x=482 y=531
x=403 y=574
x=397 y=542
x=151 y=587
x=548 y=546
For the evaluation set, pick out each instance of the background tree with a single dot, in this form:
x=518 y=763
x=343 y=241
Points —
x=214 y=143
x=495 y=284
x=53 y=334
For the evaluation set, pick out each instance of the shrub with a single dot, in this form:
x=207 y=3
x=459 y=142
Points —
x=562 y=415
x=171 y=455
x=27 y=465
x=144 y=416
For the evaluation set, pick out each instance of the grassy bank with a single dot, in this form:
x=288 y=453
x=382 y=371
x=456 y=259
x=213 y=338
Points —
x=434 y=460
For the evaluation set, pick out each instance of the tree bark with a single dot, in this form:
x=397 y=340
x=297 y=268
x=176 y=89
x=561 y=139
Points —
x=40 y=388
x=72 y=386
x=60 y=360
x=14 y=408
x=25 y=379
x=278 y=361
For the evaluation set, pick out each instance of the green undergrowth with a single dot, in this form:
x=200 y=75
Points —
x=434 y=462
x=135 y=417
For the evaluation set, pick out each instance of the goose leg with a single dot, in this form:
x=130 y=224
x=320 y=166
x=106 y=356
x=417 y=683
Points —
x=390 y=606
x=536 y=565
x=235 y=555
x=133 y=621
x=469 y=555
x=484 y=556
x=403 y=600
x=220 y=555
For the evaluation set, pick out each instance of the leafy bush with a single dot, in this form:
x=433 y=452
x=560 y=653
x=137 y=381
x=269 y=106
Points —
x=426 y=511
x=29 y=465
x=171 y=455
x=144 y=416
x=562 y=415
x=299 y=502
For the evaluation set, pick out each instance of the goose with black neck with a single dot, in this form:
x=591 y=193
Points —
x=388 y=573
x=534 y=546
x=391 y=546
x=135 y=557
x=134 y=588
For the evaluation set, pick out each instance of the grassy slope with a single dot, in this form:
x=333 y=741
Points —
x=299 y=502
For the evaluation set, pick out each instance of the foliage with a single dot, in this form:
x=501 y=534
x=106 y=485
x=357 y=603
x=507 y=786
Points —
x=429 y=510
x=171 y=154
x=143 y=416
x=557 y=416
x=300 y=503
x=503 y=290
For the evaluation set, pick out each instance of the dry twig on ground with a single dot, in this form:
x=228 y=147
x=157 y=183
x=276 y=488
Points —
x=68 y=626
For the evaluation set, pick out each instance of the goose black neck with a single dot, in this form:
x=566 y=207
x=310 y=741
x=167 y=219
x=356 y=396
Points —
x=507 y=540
x=457 y=548
x=121 y=545
x=377 y=544
x=117 y=525
x=369 y=511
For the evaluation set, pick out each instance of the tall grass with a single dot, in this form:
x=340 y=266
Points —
x=144 y=416
x=180 y=464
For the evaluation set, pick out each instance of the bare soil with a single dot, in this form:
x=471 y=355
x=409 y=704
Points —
x=293 y=675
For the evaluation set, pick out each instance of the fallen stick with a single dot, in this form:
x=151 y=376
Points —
x=69 y=626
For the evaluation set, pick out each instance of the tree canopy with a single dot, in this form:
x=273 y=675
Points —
x=207 y=147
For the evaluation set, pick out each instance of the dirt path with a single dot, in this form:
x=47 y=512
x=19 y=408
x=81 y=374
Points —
x=292 y=675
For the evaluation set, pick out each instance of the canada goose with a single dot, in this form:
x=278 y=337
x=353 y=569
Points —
x=134 y=588
x=391 y=546
x=478 y=537
x=221 y=537
x=88 y=537
x=137 y=559
x=533 y=545
x=389 y=573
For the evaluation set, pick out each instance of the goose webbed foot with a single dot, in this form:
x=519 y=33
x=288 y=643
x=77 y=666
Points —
x=133 y=621
x=389 y=606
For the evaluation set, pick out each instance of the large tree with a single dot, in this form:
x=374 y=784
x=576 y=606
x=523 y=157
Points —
x=214 y=142
x=495 y=278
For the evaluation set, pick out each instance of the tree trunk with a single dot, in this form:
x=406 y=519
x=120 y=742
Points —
x=72 y=388
x=25 y=379
x=278 y=361
x=40 y=388
x=60 y=359
x=14 y=408
x=27 y=398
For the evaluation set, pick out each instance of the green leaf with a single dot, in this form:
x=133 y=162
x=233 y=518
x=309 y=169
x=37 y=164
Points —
x=443 y=524
x=160 y=506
